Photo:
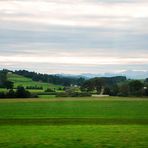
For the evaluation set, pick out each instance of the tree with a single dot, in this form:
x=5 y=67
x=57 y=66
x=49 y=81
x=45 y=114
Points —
x=124 y=90
x=2 y=95
x=8 y=84
x=3 y=77
x=114 y=90
x=146 y=92
x=22 y=93
x=136 y=87
x=4 y=82
x=99 y=83
x=146 y=80
x=88 y=86
x=107 y=91
x=11 y=94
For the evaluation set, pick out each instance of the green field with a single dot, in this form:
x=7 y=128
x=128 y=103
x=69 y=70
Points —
x=74 y=122
x=20 y=80
x=74 y=136
x=70 y=107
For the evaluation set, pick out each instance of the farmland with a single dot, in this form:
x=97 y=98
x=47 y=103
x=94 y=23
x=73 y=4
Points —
x=71 y=136
x=23 y=81
x=88 y=122
x=50 y=120
x=67 y=108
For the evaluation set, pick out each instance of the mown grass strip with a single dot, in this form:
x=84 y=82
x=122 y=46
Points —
x=72 y=121
x=68 y=99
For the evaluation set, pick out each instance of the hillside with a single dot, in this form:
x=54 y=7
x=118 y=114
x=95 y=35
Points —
x=20 y=80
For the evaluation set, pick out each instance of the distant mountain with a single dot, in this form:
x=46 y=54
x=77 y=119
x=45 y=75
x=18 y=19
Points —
x=130 y=74
x=135 y=74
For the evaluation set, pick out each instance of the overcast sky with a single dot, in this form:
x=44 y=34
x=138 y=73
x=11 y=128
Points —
x=74 y=36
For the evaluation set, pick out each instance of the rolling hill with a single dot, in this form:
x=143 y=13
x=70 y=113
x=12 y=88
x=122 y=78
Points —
x=23 y=81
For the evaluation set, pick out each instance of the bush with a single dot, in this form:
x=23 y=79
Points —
x=60 y=89
x=34 y=87
x=9 y=85
x=11 y=94
x=49 y=90
x=62 y=94
x=22 y=93
x=74 y=94
x=33 y=95
x=47 y=93
x=2 y=95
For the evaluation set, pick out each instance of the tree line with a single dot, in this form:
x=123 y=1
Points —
x=116 y=86
x=20 y=92
x=113 y=86
x=54 y=79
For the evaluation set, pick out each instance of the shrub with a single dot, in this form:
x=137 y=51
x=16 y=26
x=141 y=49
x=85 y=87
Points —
x=9 y=85
x=22 y=93
x=74 y=94
x=2 y=95
x=34 y=87
x=11 y=94
x=49 y=90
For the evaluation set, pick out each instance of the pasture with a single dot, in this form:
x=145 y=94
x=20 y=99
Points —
x=74 y=122
x=23 y=81
x=74 y=107
x=72 y=136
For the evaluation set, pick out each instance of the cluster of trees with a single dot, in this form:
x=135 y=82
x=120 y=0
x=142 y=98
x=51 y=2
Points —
x=55 y=79
x=19 y=93
x=4 y=82
x=97 y=84
x=146 y=81
x=132 y=88
x=116 y=86
x=72 y=92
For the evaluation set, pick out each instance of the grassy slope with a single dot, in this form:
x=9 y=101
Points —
x=20 y=80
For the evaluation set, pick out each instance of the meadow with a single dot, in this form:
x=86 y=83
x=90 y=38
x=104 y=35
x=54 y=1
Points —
x=74 y=107
x=72 y=136
x=74 y=122
x=23 y=81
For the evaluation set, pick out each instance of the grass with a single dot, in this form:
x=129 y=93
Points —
x=20 y=80
x=47 y=96
x=71 y=136
x=3 y=90
x=74 y=122
x=86 y=107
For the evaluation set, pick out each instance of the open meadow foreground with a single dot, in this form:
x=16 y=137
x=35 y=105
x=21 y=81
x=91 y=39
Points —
x=112 y=122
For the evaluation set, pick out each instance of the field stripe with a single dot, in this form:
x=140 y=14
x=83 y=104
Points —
x=75 y=121
x=72 y=99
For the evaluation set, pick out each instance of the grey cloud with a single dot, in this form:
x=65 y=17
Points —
x=76 y=38
x=127 y=39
